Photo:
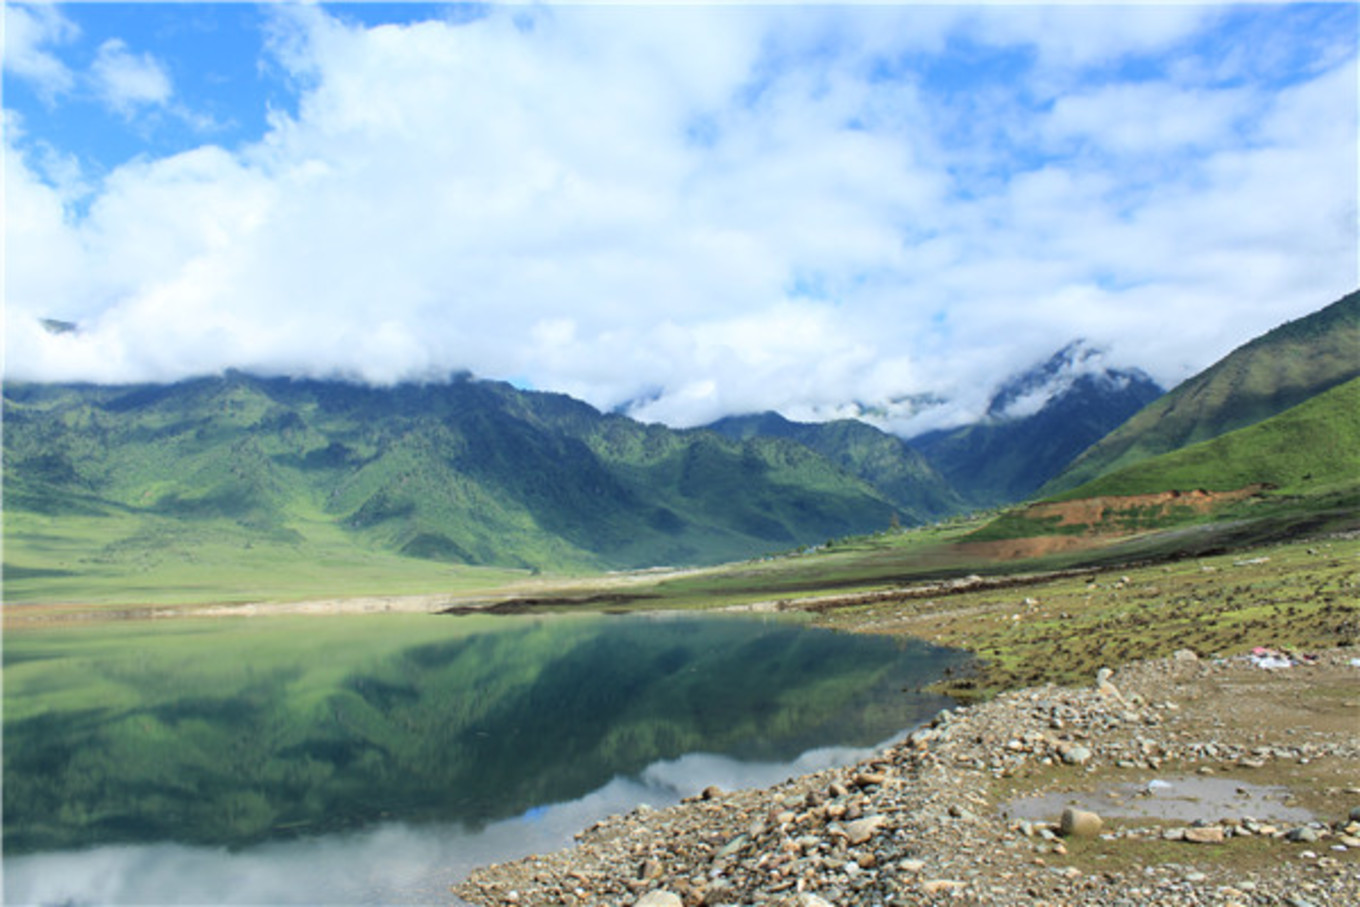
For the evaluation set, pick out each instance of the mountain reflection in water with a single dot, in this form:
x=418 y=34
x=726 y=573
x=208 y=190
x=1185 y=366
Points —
x=351 y=757
x=391 y=864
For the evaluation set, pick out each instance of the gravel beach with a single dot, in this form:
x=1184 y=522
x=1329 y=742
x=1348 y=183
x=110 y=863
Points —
x=1179 y=781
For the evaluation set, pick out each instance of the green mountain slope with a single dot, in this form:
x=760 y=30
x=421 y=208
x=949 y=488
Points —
x=1267 y=376
x=1310 y=449
x=1300 y=468
x=884 y=461
x=468 y=472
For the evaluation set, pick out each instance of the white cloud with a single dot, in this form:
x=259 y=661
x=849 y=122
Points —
x=1149 y=118
x=29 y=30
x=711 y=209
x=127 y=81
x=1073 y=35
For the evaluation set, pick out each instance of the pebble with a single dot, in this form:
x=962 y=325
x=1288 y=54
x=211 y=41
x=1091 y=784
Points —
x=1304 y=835
x=1212 y=834
x=916 y=820
x=660 y=899
x=807 y=900
x=1075 y=755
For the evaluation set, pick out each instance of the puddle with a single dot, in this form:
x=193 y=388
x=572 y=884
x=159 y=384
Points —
x=1177 y=798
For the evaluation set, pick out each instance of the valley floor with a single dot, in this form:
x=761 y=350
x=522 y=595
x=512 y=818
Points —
x=1218 y=781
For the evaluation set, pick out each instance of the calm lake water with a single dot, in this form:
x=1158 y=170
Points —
x=379 y=759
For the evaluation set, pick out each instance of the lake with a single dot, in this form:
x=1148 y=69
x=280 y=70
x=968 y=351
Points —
x=377 y=759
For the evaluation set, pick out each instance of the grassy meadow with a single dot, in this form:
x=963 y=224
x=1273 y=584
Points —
x=1298 y=595
x=112 y=560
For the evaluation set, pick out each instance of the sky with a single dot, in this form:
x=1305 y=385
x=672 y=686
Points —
x=676 y=211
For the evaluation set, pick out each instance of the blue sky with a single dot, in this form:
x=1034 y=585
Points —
x=685 y=211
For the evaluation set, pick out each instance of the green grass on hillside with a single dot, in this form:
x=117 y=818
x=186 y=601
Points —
x=1278 y=370
x=244 y=488
x=1305 y=461
x=1312 y=448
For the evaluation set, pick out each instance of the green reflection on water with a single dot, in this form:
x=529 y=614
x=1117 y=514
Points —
x=230 y=732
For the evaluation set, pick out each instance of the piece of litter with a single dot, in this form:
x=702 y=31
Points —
x=1271 y=661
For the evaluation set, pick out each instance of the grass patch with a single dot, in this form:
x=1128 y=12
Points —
x=1302 y=596
x=108 y=560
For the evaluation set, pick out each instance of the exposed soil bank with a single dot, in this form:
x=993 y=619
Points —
x=1095 y=511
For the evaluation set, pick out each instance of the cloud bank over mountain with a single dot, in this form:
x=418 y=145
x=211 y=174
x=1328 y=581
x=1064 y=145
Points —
x=686 y=212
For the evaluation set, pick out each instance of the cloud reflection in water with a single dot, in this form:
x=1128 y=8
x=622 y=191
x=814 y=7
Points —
x=396 y=863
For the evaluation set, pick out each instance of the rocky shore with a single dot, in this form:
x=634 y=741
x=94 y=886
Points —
x=1181 y=781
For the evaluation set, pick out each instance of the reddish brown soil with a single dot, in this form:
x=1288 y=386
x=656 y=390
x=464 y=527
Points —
x=1099 y=516
x=1092 y=511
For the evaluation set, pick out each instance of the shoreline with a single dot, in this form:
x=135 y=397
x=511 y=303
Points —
x=933 y=816
x=935 y=829
x=21 y=614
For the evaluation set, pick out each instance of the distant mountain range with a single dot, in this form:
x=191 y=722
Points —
x=884 y=461
x=480 y=473
x=469 y=472
x=1036 y=423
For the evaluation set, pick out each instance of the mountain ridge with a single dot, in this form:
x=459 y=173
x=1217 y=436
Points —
x=1261 y=378
x=1036 y=421
x=883 y=460
x=466 y=472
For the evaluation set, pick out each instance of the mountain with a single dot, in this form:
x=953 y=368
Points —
x=884 y=461
x=1036 y=423
x=1263 y=378
x=1309 y=449
x=1298 y=471
x=465 y=472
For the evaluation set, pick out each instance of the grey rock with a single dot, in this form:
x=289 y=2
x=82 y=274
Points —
x=862 y=830
x=733 y=846
x=1079 y=823
x=805 y=899
x=1303 y=835
x=1076 y=755
x=661 y=898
